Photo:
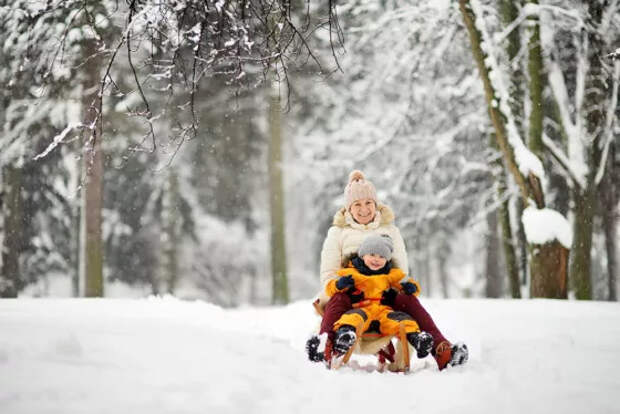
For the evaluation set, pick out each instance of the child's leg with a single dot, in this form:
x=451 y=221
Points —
x=345 y=329
x=420 y=340
x=390 y=321
x=337 y=305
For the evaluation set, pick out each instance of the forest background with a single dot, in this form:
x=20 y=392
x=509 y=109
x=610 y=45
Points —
x=200 y=148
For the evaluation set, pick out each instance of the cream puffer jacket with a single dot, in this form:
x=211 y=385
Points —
x=345 y=237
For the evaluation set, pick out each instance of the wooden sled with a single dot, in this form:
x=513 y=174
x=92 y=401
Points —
x=394 y=359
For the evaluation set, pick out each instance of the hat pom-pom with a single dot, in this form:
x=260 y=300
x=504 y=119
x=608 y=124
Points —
x=356 y=175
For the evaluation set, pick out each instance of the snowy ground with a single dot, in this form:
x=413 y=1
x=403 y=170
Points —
x=169 y=356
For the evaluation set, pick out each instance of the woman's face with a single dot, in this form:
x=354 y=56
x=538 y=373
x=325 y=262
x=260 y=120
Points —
x=363 y=211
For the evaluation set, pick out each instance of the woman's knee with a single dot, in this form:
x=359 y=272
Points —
x=339 y=302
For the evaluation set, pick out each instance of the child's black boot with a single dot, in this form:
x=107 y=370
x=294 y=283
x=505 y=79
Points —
x=312 y=348
x=345 y=338
x=422 y=342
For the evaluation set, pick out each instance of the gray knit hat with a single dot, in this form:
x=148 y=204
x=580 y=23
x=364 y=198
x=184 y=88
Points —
x=380 y=244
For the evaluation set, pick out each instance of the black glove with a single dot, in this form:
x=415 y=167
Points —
x=409 y=288
x=355 y=295
x=345 y=282
x=388 y=297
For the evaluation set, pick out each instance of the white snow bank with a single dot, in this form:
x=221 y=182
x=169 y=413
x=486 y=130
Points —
x=546 y=225
x=169 y=356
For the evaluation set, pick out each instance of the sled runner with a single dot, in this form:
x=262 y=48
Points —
x=395 y=360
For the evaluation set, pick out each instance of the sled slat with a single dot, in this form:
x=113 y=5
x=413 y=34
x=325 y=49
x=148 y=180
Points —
x=317 y=307
x=402 y=336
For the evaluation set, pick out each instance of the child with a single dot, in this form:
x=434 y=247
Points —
x=370 y=277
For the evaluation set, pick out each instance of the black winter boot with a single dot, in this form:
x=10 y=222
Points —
x=422 y=342
x=312 y=348
x=460 y=354
x=345 y=338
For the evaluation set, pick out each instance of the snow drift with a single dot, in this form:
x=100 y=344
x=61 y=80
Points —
x=170 y=356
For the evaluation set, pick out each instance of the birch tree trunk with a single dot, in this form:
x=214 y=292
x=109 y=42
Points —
x=548 y=261
x=92 y=201
x=280 y=294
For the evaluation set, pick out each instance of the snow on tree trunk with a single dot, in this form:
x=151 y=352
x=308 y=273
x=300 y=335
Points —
x=92 y=201
x=280 y=294
x=548 y=260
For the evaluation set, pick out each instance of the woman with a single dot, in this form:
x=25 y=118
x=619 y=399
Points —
x=361 y=216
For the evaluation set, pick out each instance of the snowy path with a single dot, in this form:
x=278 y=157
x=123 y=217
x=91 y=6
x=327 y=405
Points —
x=169 y=356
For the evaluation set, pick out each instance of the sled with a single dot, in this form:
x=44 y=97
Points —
x=395 y=360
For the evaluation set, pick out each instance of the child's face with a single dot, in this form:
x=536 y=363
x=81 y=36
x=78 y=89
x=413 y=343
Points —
x=374 y=261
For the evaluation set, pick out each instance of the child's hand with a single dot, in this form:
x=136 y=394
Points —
x=409 y=288
x=345 y=282
x=388 y=297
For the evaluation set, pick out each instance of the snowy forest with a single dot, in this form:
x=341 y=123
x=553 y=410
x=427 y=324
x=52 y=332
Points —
x=201 y=148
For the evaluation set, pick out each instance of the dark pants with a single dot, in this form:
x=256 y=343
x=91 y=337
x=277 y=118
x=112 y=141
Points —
x=340 y=303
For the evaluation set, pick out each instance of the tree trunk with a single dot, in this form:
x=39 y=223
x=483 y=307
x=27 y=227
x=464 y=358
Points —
x=509 y=251
x=76 y=223
x=530 y=186
x=509 y=10
x=522 y=242
x=582 y=243
x=536 y=84
x=170 y=231
x=11 y=280
x=609 y=201
x=595 y=94
x=92 y=201
x=493 y=287
x=280 y=294
x=549 y=259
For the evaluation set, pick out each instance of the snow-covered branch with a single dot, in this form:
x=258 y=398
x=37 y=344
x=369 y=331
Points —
x=526 y=161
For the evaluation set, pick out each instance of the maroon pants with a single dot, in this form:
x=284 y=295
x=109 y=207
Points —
x=340 y=303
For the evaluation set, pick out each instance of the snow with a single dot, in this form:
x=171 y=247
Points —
x=545 y=225
x=163 y=355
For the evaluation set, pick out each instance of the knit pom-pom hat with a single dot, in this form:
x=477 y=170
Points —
x=379 y=244
x=358 y=188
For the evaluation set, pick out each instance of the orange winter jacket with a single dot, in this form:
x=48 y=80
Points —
x=373 y=286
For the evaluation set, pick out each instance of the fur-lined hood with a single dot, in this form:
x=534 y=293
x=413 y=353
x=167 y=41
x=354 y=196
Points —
x=384 y=216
